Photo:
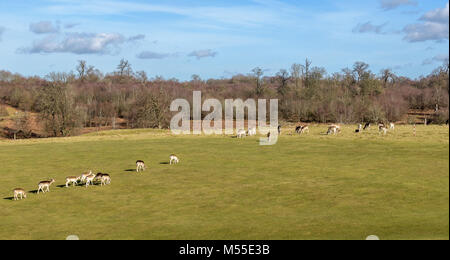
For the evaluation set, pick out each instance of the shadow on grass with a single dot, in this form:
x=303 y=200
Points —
x=130 y=170
x=9 y=198
x=33 y=191
x=166 y=163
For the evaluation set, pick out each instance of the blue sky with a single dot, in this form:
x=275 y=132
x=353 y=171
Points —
x=217 y=39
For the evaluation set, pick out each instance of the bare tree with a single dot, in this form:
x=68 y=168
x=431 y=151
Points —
x=82 y=69
x=56 y=105
x=258 y=73
x=386 y=75
x=359 y=68
x=142 y=77
x=297 y=71
x=283 y=78
x=124 y=69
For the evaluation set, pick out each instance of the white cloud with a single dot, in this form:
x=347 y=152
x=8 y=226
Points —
x=439 y=15
x=438 y=58
x=426 y=31
x=392 y=4
x=368 y=28
x=136 y=38
x=154 y=55
x=70 y=25
x=44 y=27
x=77 y=43
x=199 y=54
x=435 y=27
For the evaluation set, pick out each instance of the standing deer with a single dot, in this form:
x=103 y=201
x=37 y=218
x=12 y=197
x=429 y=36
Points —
x=391 y=126
x=251 y=131
x=72 y=179
x=90 y=179
x=45 y=185
x=21 y=192
x=173 y=159
x=382 y=128
x=84 y=175
x=104 y=178
x=140 y=165
x=241 y=133
x=366 y=126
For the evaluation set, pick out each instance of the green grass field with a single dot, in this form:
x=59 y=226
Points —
x=306 y=187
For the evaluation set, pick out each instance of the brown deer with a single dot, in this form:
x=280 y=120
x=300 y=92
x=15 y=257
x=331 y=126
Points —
x=72 y=179
x=21 y=192
x=140 y=165
x=45 y=186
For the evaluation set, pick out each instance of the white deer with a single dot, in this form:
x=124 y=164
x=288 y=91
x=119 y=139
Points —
x=333 y=129
x=392 y=126
x=252 y=131
x=45 y=186
x=174 y=159
x=241 y=133
x=21 y=192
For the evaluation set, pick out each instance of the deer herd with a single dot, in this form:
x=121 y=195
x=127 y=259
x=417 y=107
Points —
x=89 y=178
x=333 y=129
x=86 y=179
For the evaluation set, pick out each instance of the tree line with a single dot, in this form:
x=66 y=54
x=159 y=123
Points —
x=67 y=102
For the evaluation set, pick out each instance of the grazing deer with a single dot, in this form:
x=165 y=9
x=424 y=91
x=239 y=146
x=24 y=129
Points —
x=251 y=131
x=84 y=175
x=45 y=185
x=174 y=159
x=241 y=133
x=140 y=165
x=304 y=129
x=391 y=126
x=72 y=179
x=359 y=128
x=90 y=179
x=333 y=129
x=382 y=128
x=366 y=126
x=21 y=192
x=104 y=178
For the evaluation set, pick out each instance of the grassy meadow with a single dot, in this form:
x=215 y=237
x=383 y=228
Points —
x=311 y=186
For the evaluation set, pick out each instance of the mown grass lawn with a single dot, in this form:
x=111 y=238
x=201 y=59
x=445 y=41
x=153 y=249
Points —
x=306 y=187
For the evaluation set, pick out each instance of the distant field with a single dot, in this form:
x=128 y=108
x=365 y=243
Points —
x=306 y=187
